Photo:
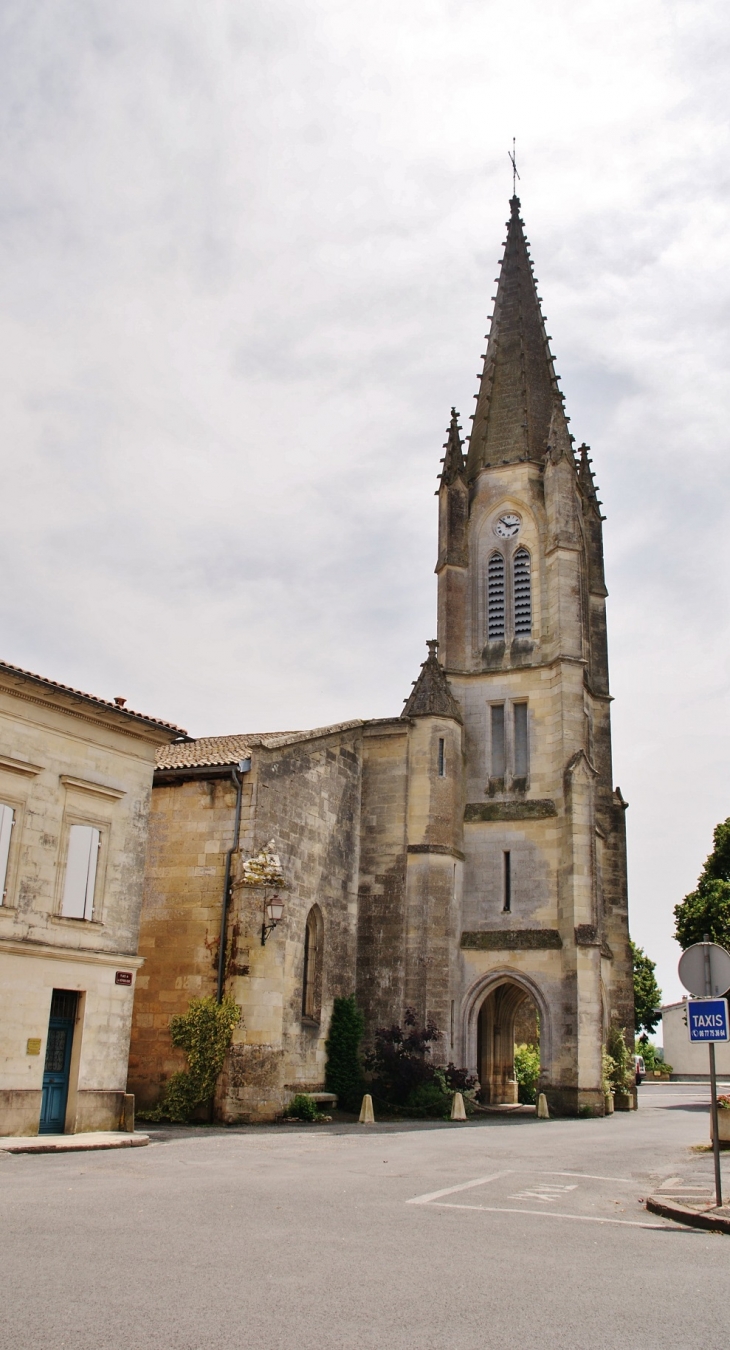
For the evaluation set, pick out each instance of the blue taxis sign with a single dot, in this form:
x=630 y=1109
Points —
x=707 y=1019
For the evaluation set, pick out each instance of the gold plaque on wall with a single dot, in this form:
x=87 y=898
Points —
x=34 y=1046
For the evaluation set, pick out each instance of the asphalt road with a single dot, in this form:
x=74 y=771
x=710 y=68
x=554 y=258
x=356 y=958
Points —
x=409 y=1238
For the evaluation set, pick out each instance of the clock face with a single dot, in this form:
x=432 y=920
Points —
x=507 y=525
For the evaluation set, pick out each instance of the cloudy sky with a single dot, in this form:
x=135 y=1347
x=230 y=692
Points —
x=247 y=251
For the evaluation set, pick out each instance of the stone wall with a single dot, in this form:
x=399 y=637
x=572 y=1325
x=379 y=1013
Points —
x=382 y=882
x=191 y=828
x=304 y=796
x=307 y=800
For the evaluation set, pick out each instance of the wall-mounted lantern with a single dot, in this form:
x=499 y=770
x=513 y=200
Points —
x=273 y=912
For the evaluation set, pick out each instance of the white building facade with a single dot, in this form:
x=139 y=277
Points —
x=75 y=784
x=689 y=1060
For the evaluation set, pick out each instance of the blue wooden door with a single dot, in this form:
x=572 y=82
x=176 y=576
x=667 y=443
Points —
x=58 y=1061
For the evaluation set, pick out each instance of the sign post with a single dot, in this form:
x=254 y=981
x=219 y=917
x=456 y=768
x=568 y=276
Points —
x=704 y=970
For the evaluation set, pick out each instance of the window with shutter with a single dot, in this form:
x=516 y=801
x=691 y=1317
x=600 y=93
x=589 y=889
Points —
x=81 y=865
x=522 y=588
x=7 y=820
x=495 y=597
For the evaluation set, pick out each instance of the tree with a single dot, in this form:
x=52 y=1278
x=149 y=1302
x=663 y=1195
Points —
x=647 y=994
x=707 y=908
x=343 y=1073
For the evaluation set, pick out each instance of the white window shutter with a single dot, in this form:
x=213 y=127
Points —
x=7 y=820
x=81 y=864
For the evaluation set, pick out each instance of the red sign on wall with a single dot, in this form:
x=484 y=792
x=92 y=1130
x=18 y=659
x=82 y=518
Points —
x=123 y=977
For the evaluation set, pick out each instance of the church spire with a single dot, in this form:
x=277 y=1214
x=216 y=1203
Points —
x=585 y=476
x=518 y=395
x=453 y=460
x=431 y=695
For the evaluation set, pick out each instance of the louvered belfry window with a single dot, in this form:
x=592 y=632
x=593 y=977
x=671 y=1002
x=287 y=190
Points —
x=522 y=593
x=495 y=597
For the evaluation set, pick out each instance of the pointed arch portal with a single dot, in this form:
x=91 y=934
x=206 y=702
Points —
x=495 y=1005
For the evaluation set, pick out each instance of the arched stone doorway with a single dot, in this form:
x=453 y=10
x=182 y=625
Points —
x=501 y=1010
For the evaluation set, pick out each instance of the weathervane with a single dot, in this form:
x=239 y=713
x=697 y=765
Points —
x=513 y=159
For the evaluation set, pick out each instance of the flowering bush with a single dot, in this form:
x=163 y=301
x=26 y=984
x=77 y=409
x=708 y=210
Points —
x=724 y=1102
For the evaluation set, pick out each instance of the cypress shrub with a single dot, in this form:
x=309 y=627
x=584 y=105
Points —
x=343 y=1073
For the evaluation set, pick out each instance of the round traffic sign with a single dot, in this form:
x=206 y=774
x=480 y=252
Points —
x=704 y=963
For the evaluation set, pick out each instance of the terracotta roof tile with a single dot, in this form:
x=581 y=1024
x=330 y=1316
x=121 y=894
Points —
x=217 y=750
x=107 y=704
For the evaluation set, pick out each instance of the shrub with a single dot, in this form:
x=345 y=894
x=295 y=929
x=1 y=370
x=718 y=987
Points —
x=651 y=1057
x=343 y=1073
x=403 y=1075
x=399 y=1063
x=204 y=1032
x=527 y=1072
x=303 y=1108
x=459 y=1080
x=619 y=1063
x=430 y=1101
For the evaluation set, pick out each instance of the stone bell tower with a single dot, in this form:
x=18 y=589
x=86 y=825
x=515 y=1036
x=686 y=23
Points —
x=522 y=640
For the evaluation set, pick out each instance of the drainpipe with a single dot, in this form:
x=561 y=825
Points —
x=243 y=767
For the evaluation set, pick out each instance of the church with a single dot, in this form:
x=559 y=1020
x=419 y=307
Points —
x=465 y=858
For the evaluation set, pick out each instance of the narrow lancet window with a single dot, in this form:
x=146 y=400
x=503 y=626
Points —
x=495 y=597
x=442 y=758
x=312 y=974
x=522 y=593
x=507 y=882
x=498 y=748
x=521 y=748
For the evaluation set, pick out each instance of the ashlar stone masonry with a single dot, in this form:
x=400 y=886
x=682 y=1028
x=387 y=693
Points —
x=466 y=858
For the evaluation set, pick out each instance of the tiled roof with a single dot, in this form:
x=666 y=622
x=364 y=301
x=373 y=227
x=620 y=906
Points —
x=108 y=705
x=217 y=750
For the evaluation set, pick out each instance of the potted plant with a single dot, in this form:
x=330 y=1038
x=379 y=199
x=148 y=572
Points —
x=620 y=1076
x=607 y=1070
x=723 y=1118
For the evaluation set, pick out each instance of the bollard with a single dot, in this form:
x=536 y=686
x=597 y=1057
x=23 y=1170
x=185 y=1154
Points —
x=366 y=1111
x=457 y=1107
x=542 y=1107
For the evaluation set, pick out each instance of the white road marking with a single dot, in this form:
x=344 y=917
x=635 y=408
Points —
x=549 y=1214
x=451 y=1190
x=586 y=1176
x=543 y=1193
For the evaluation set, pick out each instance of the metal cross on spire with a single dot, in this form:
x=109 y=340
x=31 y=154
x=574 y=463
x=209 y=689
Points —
x=513 y=159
